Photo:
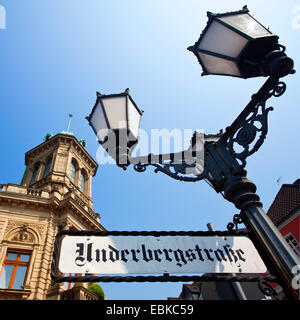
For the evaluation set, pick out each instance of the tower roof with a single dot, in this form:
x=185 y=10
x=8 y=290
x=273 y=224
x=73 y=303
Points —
x=64 y=137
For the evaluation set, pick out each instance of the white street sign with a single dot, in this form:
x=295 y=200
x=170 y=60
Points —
x=158 y=255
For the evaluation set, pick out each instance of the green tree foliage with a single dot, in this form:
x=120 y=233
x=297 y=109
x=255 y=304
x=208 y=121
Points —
x=97 y=290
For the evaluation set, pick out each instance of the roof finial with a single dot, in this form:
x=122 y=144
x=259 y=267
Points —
x=70 y=117
x=47 y=137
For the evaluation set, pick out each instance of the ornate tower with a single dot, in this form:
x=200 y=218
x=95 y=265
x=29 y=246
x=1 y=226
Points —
x=55 y=193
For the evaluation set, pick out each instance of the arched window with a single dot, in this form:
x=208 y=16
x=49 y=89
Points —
x=35 y=173
x=82 y=180
x=72 y=171
x=47 y=167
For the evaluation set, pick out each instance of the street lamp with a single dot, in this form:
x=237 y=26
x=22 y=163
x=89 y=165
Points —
x=115 y=120
x=235 y=44
x=232 y=44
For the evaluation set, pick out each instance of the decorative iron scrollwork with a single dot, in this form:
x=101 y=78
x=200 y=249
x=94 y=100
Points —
x=237 y=219
x=243 y=138
x=267 y=289
x=250 y=131
x=180 y=169
x=181 y=172
x=139 y=167
x=246 y=135
x=279 y=89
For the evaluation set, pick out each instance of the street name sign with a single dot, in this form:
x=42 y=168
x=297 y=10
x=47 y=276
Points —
x=158 y=255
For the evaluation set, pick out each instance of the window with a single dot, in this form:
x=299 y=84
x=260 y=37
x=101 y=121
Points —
x=72 y=171
x=69 y=285
x=294 y=244
x=35 y=173
x=82 y=180
x=13 y=271
x=47 y=167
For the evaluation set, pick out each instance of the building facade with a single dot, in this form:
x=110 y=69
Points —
x=55 y=194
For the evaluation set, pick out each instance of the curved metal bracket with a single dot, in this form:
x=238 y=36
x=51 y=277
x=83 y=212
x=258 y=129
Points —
x=187 y=165
x=182 y=172
x=240 y=140
x=248 y=132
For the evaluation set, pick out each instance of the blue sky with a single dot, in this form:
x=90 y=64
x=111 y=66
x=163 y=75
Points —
x=55 y=55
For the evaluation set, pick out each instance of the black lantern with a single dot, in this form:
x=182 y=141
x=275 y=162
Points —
x=235 y=44
x=115 y=120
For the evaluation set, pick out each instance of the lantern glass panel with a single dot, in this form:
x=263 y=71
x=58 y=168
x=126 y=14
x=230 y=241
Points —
x=216 y=65
x=134 y=118
x=98 y=122
x=220 y=39
x=115 y=109
x=246 y=24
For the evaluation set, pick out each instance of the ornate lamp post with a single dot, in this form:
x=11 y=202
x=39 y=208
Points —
x=232 y=44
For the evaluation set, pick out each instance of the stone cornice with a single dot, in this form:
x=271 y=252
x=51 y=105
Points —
x=89 y=217
x=45 y=146
x=45 y=201
x=14 y=294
